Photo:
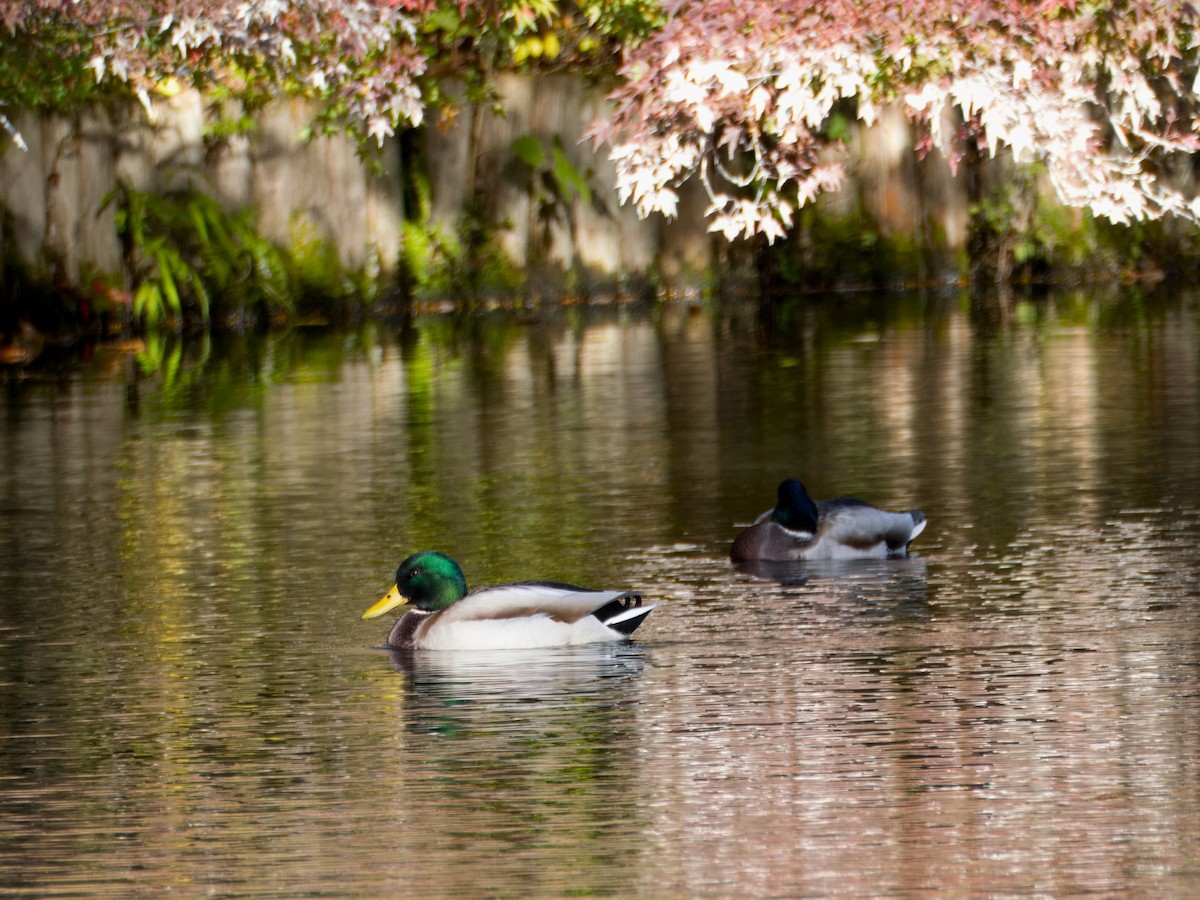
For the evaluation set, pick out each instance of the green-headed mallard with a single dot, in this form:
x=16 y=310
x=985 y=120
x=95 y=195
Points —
x=844 y=528
x=509 y=616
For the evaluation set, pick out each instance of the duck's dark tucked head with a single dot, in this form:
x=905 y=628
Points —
x=796 y=510
x=429 y=580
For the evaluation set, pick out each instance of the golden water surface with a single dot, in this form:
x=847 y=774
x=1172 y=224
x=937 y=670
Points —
x=190 y=704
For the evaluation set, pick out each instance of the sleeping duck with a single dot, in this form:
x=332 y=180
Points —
x=510 y=616
x=845 y=528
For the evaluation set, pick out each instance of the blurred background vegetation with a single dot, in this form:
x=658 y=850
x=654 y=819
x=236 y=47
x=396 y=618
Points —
x=532 y=215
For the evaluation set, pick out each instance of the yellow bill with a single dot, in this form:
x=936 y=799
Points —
x=391 y=600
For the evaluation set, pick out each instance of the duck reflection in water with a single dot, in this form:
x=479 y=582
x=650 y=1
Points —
x=891 y=586
x=516 y=674
x=459 y=692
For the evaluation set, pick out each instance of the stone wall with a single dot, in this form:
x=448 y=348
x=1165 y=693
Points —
x=57 y=223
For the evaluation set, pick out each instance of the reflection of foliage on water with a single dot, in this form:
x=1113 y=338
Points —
x=224 y=371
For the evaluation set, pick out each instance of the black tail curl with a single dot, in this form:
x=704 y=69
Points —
x=623 y=604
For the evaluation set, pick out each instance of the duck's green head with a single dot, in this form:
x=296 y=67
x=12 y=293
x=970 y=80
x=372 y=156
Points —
x=795 y=510
x=428 y=580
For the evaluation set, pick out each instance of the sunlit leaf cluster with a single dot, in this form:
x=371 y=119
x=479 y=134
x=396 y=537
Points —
x=372 y=65
x=741 y=93
x=358 y=57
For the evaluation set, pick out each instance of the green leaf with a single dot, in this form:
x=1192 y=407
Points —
x=199 y=222
x=837 y=127
x=167 y=280
x=570 y=178
x=147 y=302
x=528 y=150
x=201 y=293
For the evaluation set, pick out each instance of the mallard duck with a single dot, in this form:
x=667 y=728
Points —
x=844 y=528
x=509 y=616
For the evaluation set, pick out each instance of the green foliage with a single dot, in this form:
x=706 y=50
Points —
x=828 y=252
x=429 y=255
x=49 y=73
x=436 y=260
x=190 y=260
x=222 y=122
x=626 y=22
x=553 y=181
x=838 y=126
x=478 y=39
x=466 y=261
x=320 y=283
x=193 y=263
x=1034 y=235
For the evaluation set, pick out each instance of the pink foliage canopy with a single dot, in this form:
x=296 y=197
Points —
x=360 y=55
x=740 y=93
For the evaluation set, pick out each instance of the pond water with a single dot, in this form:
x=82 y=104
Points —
x=191 y=705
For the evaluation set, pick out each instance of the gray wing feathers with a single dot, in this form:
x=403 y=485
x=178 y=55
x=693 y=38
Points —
x=862 y=525
x=512 y=601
